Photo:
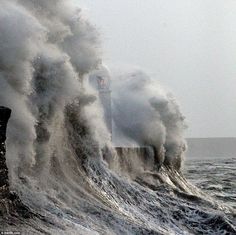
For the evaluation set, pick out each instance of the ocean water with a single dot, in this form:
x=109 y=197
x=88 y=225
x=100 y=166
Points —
x=217 y=177
x=61 y=161
x=129 y=198
x=211 y=166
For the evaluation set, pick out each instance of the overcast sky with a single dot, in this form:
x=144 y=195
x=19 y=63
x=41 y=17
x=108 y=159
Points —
x=188 y=45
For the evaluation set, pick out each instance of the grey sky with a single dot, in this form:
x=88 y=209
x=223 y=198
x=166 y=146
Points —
x=188 y=45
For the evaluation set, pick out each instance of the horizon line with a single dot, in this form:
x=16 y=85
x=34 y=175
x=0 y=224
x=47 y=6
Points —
x=219 y=137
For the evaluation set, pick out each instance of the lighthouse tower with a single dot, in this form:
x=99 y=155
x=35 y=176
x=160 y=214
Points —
x=100 y=79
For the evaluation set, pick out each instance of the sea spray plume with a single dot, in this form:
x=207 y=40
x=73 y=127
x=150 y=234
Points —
x=173 y=120
x=94 y=117
x=69 y=30
x=53 y=153
x=55 y=86
x=40 y=77
x=149 y=115
x=21 y=38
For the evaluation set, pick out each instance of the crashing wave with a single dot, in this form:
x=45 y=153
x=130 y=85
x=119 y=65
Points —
x=61 y=160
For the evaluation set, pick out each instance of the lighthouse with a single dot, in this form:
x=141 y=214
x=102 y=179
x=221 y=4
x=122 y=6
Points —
x=100 y=80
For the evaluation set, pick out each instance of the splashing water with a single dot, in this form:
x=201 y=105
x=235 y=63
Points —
x=61 y=161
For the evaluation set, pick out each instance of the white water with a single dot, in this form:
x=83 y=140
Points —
x=60 y=158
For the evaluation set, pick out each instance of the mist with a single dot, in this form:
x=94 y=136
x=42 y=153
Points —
x=187 y=46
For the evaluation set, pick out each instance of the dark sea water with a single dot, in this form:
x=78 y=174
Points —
x=211 y=166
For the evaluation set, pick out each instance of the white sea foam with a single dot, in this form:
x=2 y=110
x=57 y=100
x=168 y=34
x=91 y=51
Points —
x=58 y=142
